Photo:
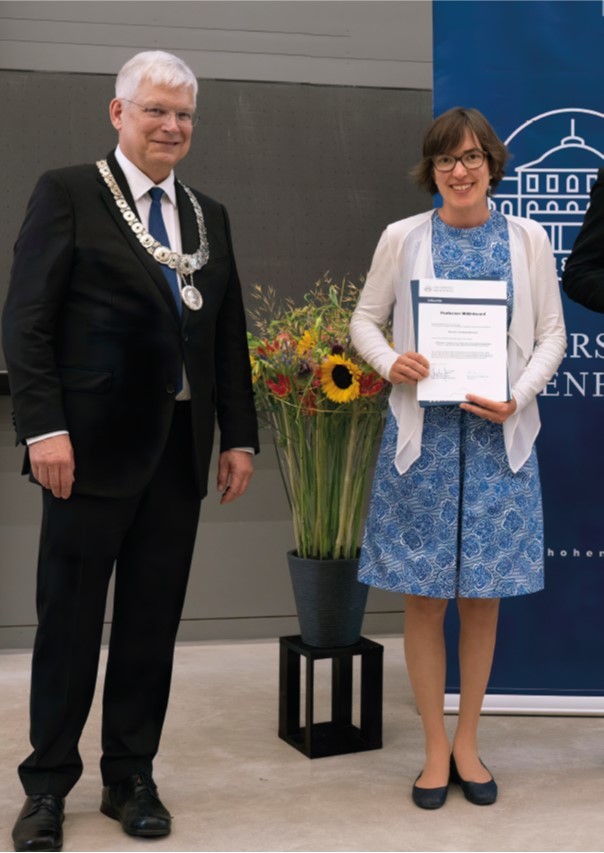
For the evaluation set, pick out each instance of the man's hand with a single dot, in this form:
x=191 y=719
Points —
x=235 y=469
x=409 y=368
x=53 y=465
x=490 y=410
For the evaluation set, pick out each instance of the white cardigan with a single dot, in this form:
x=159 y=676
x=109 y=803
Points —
x=536 y=336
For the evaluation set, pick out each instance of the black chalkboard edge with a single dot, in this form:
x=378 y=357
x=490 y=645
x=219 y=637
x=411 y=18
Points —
x=4 y=382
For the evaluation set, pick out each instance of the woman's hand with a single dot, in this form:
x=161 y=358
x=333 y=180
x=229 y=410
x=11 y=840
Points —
x=490 y=410
x=409 y=368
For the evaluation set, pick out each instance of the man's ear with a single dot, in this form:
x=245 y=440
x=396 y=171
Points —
x=115 y=113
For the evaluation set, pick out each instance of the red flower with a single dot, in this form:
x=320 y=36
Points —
x=266 y=349
x=309 y=403
x=371 y=384
x=281 y=387
x=283 y=341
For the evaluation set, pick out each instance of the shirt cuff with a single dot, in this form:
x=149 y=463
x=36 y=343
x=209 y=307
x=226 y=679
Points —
x=37 y=438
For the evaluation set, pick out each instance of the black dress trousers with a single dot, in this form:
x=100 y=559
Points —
x=149 y=538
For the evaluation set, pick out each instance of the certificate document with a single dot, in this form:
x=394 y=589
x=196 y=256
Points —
x=461 y=328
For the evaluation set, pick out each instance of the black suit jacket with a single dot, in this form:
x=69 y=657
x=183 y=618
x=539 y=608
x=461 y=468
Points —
x=94 y=343
x=583 y=278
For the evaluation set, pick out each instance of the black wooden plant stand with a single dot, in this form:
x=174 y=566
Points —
x=339 y=735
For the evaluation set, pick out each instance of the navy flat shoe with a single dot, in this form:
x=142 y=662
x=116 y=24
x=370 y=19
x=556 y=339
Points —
x=429 y=798
x=479 y=793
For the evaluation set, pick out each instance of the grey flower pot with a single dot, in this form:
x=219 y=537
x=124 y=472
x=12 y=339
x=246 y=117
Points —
x=329 y=600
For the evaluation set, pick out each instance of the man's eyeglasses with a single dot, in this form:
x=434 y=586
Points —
x=158 y=114
x=470 y=159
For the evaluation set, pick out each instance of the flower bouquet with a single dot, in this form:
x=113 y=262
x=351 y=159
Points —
x=325 y=407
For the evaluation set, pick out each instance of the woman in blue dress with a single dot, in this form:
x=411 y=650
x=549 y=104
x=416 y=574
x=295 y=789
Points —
x=456 y=502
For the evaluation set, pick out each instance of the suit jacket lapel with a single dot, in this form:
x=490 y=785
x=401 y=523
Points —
x=188 y=223
x=151 y=265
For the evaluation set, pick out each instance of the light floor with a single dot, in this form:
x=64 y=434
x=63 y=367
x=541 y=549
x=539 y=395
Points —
x=233 y=785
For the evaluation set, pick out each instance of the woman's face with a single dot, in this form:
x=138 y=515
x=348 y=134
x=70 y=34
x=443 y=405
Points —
x=463 y=189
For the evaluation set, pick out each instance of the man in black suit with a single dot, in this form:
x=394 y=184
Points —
x=583 y=278
x=124 y=333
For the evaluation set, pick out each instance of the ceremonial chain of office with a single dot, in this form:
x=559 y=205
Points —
x=183 y=264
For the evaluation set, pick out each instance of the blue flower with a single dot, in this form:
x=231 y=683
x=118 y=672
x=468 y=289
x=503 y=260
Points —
x=513 y=521
x=425 y=460
x=471 y=491
x=422 y=568
x=474 y=263
x=481 y=577
x=504 y=567
x=428 y=497
x=486 y=531
x=534 y=551
x=444 y=446
x=448 y=512
x=470 y=546
x=406 y=487
x=380 y=506
x=444 y=558
x=477 y=238
x=424 y=524
x=492 y=506
x=412 y=540
x=443 y=533
x=458 y=272
x=491 y=552
x=499 y=252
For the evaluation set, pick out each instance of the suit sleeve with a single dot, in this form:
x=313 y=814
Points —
x=39 y=281
x=235 y=407
x=583 y=278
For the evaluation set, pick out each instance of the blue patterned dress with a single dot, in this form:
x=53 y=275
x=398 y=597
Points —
x=458 y=522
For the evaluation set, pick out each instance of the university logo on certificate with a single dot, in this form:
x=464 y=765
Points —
x=461 y=328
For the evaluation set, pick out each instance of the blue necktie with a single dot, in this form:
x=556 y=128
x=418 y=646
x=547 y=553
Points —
x=157 y=229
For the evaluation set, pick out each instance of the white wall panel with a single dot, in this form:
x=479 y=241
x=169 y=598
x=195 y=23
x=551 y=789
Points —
x=367 y=43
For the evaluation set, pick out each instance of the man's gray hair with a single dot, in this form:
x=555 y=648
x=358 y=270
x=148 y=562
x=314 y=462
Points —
x=159 y=68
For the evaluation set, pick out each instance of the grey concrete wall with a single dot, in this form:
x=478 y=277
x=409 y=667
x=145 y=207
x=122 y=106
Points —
x=239 y=584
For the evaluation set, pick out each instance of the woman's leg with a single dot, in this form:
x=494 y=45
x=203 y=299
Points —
x=426 y=664
x=478 y=619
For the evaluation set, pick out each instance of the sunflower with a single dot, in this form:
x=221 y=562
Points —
x=255 y=369
x=306 y=343
x=340 y=379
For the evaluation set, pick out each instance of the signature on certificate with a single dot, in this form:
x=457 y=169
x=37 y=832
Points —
x=445 y=374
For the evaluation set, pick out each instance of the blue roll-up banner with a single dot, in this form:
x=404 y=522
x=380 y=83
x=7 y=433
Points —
x=536 y=70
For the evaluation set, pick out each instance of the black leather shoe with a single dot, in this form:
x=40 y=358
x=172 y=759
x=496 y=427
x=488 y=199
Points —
x=134 y=802
x=39 y=825
x=479 y=793
x=429 y=798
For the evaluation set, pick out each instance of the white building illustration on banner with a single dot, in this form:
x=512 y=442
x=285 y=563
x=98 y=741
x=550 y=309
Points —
x=554 y=187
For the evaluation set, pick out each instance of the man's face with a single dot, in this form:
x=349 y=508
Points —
x=154 y=144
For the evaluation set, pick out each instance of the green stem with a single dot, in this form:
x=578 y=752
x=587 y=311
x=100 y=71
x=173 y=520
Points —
x=345 y=495
x=294 y=490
